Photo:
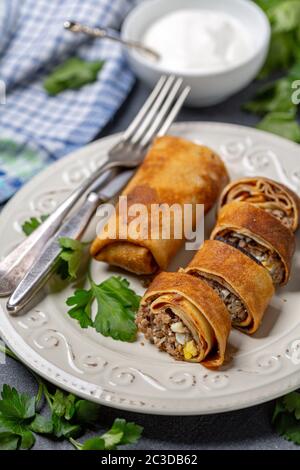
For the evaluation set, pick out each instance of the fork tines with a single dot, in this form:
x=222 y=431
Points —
x=158 y=112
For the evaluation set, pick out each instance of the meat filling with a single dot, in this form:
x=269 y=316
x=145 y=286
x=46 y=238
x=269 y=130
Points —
x=269 y=259
x=234 y=305
x=282 y=216
x=167 y=332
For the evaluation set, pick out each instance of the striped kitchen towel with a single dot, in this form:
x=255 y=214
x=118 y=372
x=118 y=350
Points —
x=35 y=128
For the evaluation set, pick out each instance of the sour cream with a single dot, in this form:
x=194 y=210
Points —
x=199 y=40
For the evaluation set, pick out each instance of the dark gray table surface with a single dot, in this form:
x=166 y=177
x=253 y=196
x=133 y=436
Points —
x=245 y=429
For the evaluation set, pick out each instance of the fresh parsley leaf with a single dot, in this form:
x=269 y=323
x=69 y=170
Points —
x=70 y=417
x=131 y=431
x=114 y=318
x=285 y=16
x=70 y=414
x=267 y=5
x=121 y=433
x=294 y=72
x=279 y=408
x=87 y=412
x=117 y=305
x=82 y=301
x=287 y=426
x=116 y=308
x=16 y=405
x=65 y=405
x=272 y=97
x=16 y=412
x=32 y=224
x=41 y=425
x=286 y=417
x=95 y=443
x=71 y=254
x=292 y=403
x=281 y=123
x=281 y=54
x=8 y=441
x=120 y=290
x=17 y=427
x=64 y=428
x=72 y=74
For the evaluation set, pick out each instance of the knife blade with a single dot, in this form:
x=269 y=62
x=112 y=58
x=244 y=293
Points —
x=43 y=268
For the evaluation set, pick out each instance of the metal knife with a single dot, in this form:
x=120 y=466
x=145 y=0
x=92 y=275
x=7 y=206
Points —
x=45 y=265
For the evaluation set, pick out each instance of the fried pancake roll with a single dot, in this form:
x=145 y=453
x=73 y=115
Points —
x=175 y=171
x=183 y=316
x=267 y=194
x=259 y=235
x=242 y=284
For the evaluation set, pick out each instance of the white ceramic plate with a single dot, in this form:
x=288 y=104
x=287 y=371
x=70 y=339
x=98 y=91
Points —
x=138 y=377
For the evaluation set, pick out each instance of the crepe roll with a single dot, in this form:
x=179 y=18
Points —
x=267 y=194
x=184 y=317
x=175 y=171
x=259 y=235
x=242 y=284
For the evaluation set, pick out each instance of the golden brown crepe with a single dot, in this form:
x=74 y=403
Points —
x=243 y=285
x=175 y=171
x=258 y=234
x=181 y=315
x=267 y=194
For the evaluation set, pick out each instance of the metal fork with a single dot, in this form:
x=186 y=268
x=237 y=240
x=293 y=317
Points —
x=154 y=119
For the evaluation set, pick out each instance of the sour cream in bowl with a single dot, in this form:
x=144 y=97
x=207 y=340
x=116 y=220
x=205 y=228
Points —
x=217 y=46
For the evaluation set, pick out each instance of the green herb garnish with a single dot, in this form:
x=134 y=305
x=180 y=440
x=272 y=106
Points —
x=274 y=100
x=32 y=224
x=116 y=308
x=72 y=75
x=66 y=417
x=116 y=302
x=17 y=411
x=121 y=433
x=286 y=417
x=283 y=124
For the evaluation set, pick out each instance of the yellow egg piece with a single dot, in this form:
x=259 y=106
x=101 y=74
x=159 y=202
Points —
x=189 y=350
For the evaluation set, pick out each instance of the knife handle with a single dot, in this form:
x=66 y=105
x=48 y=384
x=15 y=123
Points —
x=43 y=268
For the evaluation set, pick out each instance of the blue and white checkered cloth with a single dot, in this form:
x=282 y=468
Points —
x=36 y=129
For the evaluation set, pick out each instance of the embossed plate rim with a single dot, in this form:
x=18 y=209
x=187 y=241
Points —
x=211 y=402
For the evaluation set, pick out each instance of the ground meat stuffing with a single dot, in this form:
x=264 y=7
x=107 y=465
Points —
x=166 y=331
x=282 y=216
x=234 y=305
x=270 y=260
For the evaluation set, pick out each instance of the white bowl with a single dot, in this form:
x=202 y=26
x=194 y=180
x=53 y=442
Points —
x=206 y=88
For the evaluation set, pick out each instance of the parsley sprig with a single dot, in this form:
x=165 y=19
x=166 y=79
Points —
x=274 y=100
x=72 y=251
x=116 y=307
x=66 y=417
x=115 y=301
x=33 y=223
x=286 y=417
x=73 y=74
x=121 y=433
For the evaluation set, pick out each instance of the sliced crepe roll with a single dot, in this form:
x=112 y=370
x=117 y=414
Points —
x=181 y=315
x=242 y=284
x=175 y=171
x=267 y=194
x=259 y=235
